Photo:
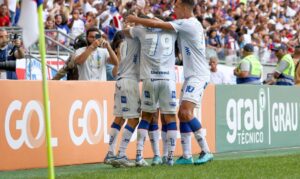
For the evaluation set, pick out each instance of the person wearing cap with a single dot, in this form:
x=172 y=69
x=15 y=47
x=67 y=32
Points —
x=249 y=69
x=296 y=58
x=285 y=70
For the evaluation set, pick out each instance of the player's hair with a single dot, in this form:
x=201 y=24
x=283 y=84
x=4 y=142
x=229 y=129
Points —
x=190 y=3
x=118 y=38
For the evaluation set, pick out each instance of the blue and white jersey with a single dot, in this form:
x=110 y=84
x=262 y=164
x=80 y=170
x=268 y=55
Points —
x=157 y=52
x=130 y=59
x=191 y=43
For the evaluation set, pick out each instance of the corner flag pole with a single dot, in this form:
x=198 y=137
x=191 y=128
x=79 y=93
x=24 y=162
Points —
x=42 y=46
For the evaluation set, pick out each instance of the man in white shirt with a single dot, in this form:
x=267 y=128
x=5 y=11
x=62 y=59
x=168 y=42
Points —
x=216 y=76
x=91 y=60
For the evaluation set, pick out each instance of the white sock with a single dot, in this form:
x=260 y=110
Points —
x=200 y=137
x=124 y=142
x=142 y=134
x=186 y=144
x=113 y=140
x=165 y=143
x=171 y=138
x=154 y=138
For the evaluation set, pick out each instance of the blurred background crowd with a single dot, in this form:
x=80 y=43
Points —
x=228 y=24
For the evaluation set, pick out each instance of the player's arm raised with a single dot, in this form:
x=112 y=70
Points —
x=113 y=59
x=150 y=22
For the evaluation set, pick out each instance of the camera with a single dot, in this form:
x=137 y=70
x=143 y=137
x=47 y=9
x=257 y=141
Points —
x=15 y=36
x=8 y=65
x=98 y=36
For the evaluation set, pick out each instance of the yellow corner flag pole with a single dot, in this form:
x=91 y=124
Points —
x=42 y=46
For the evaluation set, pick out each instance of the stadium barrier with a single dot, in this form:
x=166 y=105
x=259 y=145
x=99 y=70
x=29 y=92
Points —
x=81 y=115
x=236 y=118
x=257 y=117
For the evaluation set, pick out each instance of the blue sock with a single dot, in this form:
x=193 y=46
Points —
x=195 y=124
x=185 y=127
x=172 y=126
x=153 y=127
x=116 y=126
x=164 y=128
x=129 y=128
x=144 y=124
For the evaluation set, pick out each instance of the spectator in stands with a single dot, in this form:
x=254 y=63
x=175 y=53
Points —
x=213 y=41
x=91 y=60
x=285 y=69
x=4 y=16
x=61 y=26
x=50 y=25
x=91 y=20
x=10 y=51
x=12 y=10
x=110 y=30
x=76 y=24
x=296 y=58
x=249 y=69
x=216 y=76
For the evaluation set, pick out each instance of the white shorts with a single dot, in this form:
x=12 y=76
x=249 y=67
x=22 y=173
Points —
x=162 y=92
x=127 y=99
x=192 y=90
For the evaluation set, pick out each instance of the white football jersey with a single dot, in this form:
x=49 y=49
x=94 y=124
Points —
x=157 y=52
x=191 y=43
x=130 y=59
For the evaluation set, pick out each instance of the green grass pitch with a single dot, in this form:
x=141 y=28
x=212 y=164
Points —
x=284 y=163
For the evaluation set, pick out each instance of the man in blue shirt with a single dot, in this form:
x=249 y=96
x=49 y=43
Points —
x=10 y=52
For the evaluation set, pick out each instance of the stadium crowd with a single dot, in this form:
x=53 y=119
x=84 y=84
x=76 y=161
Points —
x=229 y=25
x=249 y=33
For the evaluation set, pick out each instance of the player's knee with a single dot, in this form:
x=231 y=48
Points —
x=168 y=118
x=133 y=122
x=185 y=114
x=119 y=120
x=147 y=116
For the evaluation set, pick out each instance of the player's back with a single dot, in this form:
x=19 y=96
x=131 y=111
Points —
x=191 y=42
x=157 y=52
x=130 y=59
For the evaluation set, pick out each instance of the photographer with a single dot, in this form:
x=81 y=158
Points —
x=9 y=52
x=91 y=60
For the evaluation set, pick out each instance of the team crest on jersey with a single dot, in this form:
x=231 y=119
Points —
x=147 y=94
x=189 y=89
x=123 y=99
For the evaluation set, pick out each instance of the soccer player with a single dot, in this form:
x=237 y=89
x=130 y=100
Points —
x=158 y=74
x=196 y=72
x=127 y=101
